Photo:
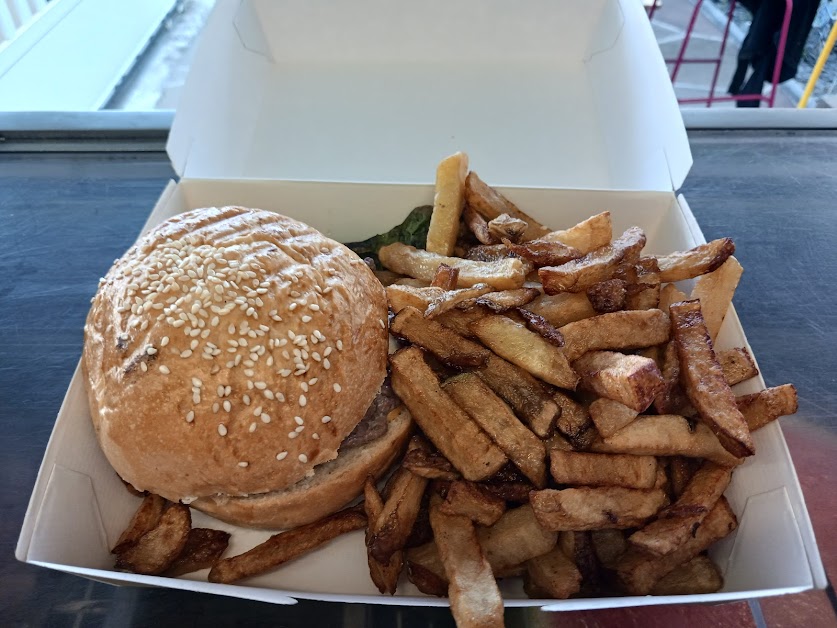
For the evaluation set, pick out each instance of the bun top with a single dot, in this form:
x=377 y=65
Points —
x=230 y=351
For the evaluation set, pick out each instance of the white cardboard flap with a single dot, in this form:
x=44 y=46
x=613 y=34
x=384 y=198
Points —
x=79 y=505
x=565 y=93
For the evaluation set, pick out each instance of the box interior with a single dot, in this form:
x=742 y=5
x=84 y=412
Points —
x=79 y=506
x=374 y=92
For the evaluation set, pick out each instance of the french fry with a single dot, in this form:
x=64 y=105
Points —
x=504 y=274
x=615 y=331
x=609 y=546
x=599 y=508
x=400 y=296
x=680 y=471
x=761 y=408
x=447 y=426
x=703 y=380
x=574 y=422
x=598 y=265
x=522 y=392
x=508 y=227
x=474 y=597
x=669 y=294
x=285 y=546
x=468 y=499
x=578 y=547
x=638 y=572
x=667 y=435
x=699 y=575
x=562 y=309
x=460 y=320
x=526 y=349
x=145 y=519
x=552 y=575
x=448 y=346
x=629 y=379
x=490 y=204
x=737 y=365
x=202 y=550
x=157 y=549
x=504 y=300
x=387 y=277
x=610 y=416
x=675 y=524
x=426 y=571
x=608 y=296
x=586 y=236
x=514 y=539
x=398 y=514
x=490 y=253
x=714 y=291
x=543 y=252
x=384 y=574
x=645 y=294
x=579 y=468
x=478 y=226
x=517 y=492
x=449 y=299
x=497 y=420
x=697 y=261
x=447 y=204
x=671 y=399
x=445 y=277
x=422 y=460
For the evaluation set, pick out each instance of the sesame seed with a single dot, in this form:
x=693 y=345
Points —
x=282 y=455
x=227 y=405
x=215 y=407
x=314 y=306
x=190 y=416
x=383 y=324
x=260 y=385
x=196 y=382
x=303 y=458
x=150 y=350
x=285 y=372
x=193 y=345
x=302 y=401
x=215 y=369
x=163 y=342
x=313 y=381
x=339 y=345
x=292 y=434
x=164 y=369
x=249 y=372
x=196 y=398
x=306 y=319
x=337 y=387
x=281 y=342
x=299 y=429
x=304 y=386
x=242 y=464
x=327 y=352
x=231 y=329
x=143 y=367
x=326 y=419
x=246 y=399
x=269 y=394
x=298 y=420
x=265 y=417
x=315 y=436
x=185 y=354
x=252 y=427
x=227 y=390
x=292 y=306
x=257 y=411
x=326 y=364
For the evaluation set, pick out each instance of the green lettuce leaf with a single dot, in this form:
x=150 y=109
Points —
x=412 y=231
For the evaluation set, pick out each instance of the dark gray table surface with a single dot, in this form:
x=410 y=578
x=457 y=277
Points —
x=65 y=216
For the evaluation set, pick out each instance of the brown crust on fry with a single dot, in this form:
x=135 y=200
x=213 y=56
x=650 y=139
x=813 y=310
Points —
x=737 y=365
x=599 y=265
x=445 y=277
x=541 y=326
x=449 y=299
x=608 y=296
x=703 y=380
x=490 y=204
x=595 y=508
x=761 y=408
x=203 y=549
x=504 y=300
x=543 y=252
x=285 y=546
x=398 y=514
x=629 y=379
x=470 y=500
x=615 y=331
x=702 y=259
x=610 y=416
x=156 y=550
x=145 y=518
x=574 y=422
x=478 y=226
x=425 y=461
x=509 y=227
x=578 y=468
x=384 y=575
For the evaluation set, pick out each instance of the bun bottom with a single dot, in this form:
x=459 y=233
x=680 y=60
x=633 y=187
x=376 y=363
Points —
x=333 y=485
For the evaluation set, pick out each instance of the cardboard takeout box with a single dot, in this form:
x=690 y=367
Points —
x=336 y=114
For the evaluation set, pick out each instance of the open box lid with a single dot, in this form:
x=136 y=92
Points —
x=564 y=94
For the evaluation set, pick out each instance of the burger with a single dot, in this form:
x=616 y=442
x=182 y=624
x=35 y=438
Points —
x=235 y=360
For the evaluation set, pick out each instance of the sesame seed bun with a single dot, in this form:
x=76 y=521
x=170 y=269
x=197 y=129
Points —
x=230 y=352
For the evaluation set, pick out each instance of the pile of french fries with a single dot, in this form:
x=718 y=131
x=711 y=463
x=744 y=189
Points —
x=576 y=427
